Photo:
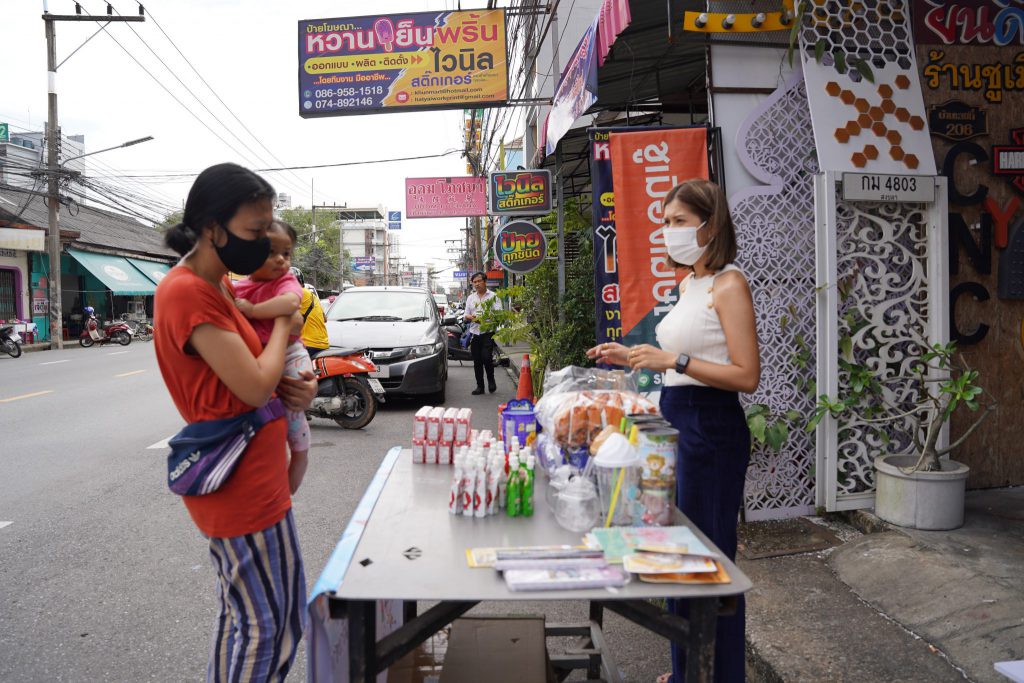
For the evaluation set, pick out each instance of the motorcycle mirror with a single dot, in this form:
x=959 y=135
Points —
x=451 y=320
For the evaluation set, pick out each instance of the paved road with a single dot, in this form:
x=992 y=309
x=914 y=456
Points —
x=103 y=577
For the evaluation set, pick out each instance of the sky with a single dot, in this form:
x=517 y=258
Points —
x=248 y=53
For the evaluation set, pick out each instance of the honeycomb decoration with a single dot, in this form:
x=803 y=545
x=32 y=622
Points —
x=859 y=124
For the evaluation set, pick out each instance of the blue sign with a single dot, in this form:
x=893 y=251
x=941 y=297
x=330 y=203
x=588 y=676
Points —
x=363 y=267
x=460 y=274
x=394 y=216
x=394 y=226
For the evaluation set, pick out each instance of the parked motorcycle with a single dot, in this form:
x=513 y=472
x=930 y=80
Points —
x=10 y=341
x=111 y=333
x=455 y=330
x=346 y=393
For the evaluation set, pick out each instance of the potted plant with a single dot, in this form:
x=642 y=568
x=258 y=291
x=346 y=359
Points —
x=906 y=404
x=919 y=489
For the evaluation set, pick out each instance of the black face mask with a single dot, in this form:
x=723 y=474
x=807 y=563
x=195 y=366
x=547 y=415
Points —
x=243 y=257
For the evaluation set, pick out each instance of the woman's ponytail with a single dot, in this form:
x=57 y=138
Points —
x=181 y=238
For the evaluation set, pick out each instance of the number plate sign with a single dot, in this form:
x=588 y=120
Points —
x=883 y=187
x=375 y=385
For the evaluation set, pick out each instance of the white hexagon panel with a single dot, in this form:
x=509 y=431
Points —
x=862 y=125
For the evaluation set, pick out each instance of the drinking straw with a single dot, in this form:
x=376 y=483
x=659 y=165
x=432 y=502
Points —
x=615 y=497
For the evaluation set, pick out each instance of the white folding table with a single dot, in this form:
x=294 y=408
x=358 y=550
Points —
x=402 y=546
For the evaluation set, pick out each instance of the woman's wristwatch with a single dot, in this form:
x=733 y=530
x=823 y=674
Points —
x=681 y=362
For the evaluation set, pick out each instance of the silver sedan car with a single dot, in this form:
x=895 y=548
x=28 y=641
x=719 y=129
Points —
x=402 y=329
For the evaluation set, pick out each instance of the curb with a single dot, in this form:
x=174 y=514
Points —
x=32 y=348
x=759 y=669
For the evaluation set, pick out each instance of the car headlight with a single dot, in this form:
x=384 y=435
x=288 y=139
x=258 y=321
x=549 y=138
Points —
x=425 y=350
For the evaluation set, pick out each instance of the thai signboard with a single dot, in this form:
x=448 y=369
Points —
x=606 y=272
x=445 y=197
x=401 y=62
x=996 y=23
x=520 y=246
x=645 y=166
x=519 y=193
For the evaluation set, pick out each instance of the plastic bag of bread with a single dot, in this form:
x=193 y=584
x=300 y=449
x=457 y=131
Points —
x=578 y=403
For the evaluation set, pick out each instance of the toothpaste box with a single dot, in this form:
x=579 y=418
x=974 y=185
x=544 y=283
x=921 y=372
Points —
x=419 y=451
x=448 y=424
x=419 y=424
x=434 y=424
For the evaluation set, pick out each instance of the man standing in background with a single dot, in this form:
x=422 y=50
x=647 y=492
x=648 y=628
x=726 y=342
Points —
x=314 y=329
x=482 y=344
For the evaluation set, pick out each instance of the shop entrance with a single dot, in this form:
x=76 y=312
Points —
x=8 y=295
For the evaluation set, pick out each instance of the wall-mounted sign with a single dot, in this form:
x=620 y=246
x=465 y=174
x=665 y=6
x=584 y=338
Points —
x=994 y=78
x=995 y=23
x=883 y=187
x=445 y=197
x=394 y=220
x=5 y=132
x=956 y=121
x=520 y=246
x=402 y=62
x=460 y=274
x=1009 y=159
x=519 y=193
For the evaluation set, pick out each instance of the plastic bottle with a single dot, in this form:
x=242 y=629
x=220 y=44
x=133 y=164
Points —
x=480 y=491
x=527 y=475
x=455 y=498
x=502 y=475
x=515 y=488
x=468 y=486
x=494 y=465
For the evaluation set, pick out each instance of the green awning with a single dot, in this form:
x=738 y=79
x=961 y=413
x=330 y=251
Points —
x=120 y=277
x=154 y=270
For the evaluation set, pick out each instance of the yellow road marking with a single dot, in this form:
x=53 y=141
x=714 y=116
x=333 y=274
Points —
x=128 y=374
x=18 y=398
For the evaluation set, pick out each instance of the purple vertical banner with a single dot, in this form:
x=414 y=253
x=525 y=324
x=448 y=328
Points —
x=606 y=272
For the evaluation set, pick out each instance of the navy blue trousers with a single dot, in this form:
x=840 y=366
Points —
x=711 y=466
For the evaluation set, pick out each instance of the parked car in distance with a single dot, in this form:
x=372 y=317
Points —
x=442 y=303
x=402 y=330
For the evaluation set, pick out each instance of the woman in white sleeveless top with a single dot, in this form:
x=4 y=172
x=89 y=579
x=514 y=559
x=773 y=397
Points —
x=709 y=353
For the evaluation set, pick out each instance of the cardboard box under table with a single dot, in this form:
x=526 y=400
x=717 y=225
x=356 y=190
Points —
x=402 y=546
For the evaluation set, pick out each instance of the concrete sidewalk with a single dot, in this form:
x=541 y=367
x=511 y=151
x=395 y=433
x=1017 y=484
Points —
x=895 y=604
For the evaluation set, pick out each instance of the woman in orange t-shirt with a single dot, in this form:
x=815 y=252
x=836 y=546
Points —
x=215 y=367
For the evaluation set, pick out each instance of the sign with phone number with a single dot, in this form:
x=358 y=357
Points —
x=883 y=187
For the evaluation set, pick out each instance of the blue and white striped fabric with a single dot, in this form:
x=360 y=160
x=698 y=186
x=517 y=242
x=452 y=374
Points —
x=261 y=587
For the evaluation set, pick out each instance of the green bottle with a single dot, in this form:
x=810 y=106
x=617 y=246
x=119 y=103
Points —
x=514 y=506
x=527 y=506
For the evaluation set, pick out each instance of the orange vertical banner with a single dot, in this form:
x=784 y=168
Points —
x=645 y=165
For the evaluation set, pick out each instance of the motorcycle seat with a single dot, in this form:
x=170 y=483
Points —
x=338 y=351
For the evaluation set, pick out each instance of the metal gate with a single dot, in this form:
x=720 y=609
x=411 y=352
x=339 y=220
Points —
x=8 y=295
x=887 y=264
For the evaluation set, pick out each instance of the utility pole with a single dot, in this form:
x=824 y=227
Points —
x=53 y=163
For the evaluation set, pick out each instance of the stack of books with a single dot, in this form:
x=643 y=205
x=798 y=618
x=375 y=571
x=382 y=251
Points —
x=546 y=568
x=668 y=554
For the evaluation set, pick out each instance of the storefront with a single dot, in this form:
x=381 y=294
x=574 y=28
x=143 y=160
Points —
x=16 y=248
x=113 y=285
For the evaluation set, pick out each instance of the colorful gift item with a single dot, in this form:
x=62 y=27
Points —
x=516 y=419
x=657 y=446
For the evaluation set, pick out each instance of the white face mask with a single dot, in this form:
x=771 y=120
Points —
x=682 y=244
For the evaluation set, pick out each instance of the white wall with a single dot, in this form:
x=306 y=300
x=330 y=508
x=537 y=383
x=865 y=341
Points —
x=742 y=67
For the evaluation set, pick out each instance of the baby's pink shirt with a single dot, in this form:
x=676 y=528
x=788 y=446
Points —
x=259 y=291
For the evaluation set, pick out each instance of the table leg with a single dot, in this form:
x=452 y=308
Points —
x=700 y=646
x=362 y=640
x=596 y=622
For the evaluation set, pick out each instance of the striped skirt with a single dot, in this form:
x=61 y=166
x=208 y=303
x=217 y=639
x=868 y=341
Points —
x=261 y=589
